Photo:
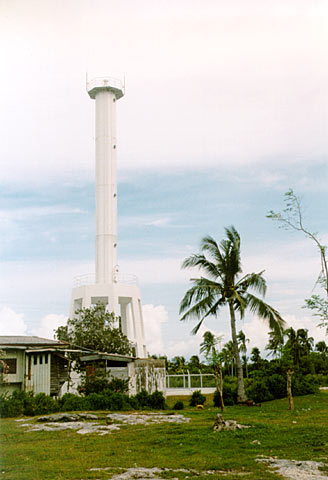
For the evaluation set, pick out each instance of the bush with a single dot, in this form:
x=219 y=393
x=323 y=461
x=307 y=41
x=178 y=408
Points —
x=96 y=401
x=157 y=400
x=216 y=399
x=229 y=391
x=70 y=402
x=143 y=398
x=178 y=405
x=12 y=405
x=94 y=383
x=303 y=385
x=259 y=391
x=44 y=404
x=277 y=385
x=119 y=385
x=197 y=399
x=134 y=404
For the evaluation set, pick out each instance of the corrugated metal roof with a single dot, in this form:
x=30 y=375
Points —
x=27 y=340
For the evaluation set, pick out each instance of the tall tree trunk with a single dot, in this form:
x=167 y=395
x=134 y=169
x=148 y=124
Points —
x=219 y=383
x=289 y=389
x=241 y=395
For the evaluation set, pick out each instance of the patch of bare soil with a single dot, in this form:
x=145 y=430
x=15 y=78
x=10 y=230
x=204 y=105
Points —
x=294 y=469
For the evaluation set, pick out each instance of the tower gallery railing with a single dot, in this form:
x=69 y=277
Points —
x=90 y=279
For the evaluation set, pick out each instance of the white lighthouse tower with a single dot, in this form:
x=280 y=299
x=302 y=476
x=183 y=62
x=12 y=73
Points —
x=120 y=293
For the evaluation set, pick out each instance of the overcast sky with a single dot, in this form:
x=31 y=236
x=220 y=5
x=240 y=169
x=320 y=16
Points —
x=225 y=109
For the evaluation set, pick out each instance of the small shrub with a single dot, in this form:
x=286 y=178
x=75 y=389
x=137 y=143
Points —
x=29 y=404
x=259 y=391
x=119 y=401
x=157 y=400
x=96 y=401
x=133 y=403
x=119 y=385
x=178 y=405
x=229 y=392
x=303 y=386
x=44 y=404
x=197 y=399
x=70 y=402
x=277 y=385
x=143 y=398
x=12 y=405
x=216 y=399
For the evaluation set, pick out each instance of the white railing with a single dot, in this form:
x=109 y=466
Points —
x=90 y=279
x=190 y=381
x=105 y=82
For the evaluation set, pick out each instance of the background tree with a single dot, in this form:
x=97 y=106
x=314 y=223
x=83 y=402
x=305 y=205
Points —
x=275 y=344
x=194 y=365
x=292 y=218
x=228 y=353
x=213 y=357
x=223 y=286
x=95 y=329
x=242 y=341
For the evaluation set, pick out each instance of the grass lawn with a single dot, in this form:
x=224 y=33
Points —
x=300 y=435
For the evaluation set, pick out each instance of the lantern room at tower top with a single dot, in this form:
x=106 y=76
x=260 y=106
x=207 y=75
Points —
x=120 y=293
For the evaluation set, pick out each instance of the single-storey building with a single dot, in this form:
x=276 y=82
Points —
x=33 y=364
x=41 y=365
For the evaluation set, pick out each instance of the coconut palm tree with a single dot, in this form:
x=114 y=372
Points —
x=224 y=285
x=242 y=340
x=208 y=347
x=275 y=344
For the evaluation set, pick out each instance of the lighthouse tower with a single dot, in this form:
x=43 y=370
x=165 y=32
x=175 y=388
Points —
x=120 y=293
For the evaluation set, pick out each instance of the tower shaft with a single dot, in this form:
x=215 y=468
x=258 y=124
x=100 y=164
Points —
x=106 y=181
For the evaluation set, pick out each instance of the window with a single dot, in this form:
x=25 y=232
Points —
x=46 y=358
x=35 y=359
x=41 y=358
x=11 y=364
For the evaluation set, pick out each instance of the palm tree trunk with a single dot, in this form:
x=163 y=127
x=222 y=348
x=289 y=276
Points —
x=241 y=395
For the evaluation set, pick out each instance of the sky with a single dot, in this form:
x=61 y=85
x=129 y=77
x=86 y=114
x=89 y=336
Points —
x=226 y=108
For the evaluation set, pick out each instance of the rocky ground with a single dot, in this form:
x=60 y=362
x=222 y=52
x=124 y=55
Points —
x=114 y=421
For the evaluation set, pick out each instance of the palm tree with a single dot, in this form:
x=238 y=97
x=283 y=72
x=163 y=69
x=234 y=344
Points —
x=209 y=343
x=229 y=356
x=208 y=347
x=275 y=344
x=242 y=340
x=223 y=286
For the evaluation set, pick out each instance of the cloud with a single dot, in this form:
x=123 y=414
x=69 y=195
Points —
x=190 y=345
x=48 y=324
x=258 y=331
x=11 y=322
x=211 y=81
x=144 y=220
x=154 y=317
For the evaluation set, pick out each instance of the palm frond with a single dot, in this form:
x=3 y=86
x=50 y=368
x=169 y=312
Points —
x=208 y=244
x=202 y=263
x=214 y=310
x=254 y=281
x=266 y=312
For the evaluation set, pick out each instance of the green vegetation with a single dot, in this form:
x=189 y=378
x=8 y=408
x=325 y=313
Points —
x=224 y=286
x=95 y=329
x=21 y=403
x=301 y=434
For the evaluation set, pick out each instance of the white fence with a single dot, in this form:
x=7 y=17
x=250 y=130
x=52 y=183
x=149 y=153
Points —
x=187 y=383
